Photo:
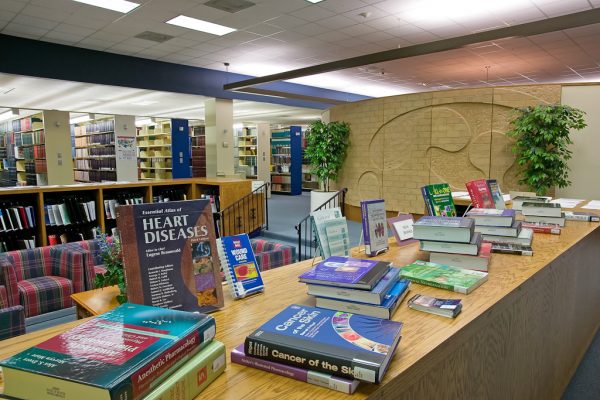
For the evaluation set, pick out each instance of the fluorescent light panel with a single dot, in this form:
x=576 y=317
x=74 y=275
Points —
x=144 y=103
x=80 y=119
x=8 y=115
x=200 y=25
x=314 y=1
x=115 y=5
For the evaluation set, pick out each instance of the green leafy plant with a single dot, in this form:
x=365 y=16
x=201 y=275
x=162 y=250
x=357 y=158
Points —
x=112 y=257
x=541 y=146
x=326 y=148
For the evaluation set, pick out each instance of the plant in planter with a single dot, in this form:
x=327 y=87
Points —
x=326 y=148
x=541 y=146
x=113 y=261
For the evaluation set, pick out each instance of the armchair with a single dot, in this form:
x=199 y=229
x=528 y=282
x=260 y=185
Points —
x=12 y=322
x=270 y=255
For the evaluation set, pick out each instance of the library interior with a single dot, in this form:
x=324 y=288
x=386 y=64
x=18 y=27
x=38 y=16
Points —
x=325 y=199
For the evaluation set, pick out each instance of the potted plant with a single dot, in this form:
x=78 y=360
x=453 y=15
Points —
x=326 y=148
x=110 y=250
x=541 y=146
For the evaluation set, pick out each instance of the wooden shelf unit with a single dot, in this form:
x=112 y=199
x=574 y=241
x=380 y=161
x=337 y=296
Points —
x=286 y=160
x=154 y=151
x=245 y=158
x=95 y=157
x=227 y=190
x=198 y=151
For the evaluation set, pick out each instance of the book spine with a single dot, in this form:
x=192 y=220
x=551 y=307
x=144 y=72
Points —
x=228 y=272
x=543 y=229
x=427 y=200
x=518 y=252
x=300 y=374
x=579 y=217
x=364 y=212
x=474 y=195
x=435 y=284
x=264 y=349
x=143 y=380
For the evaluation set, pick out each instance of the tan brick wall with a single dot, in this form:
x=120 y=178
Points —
x=401 y=143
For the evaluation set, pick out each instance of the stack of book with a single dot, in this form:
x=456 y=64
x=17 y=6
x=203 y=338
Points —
x=365 y=287
x=333 y=349
x=453 y=241
x=131 y=352
x=547 y=213
x=502 y=231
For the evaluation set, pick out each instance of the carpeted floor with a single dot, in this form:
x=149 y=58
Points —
x=286 y=211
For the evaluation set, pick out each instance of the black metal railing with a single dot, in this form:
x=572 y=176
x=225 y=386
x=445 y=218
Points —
x=248 y=214
x=307 y=241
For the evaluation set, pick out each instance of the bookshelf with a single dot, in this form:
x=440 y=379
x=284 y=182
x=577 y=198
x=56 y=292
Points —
x=245 y=158
x=19 y=222
x=95 y=157
x=8 y=167
x=154 y=151
x=198 y=151
x=286 y=160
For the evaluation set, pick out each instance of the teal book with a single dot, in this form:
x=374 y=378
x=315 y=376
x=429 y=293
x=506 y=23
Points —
x=122 y=354
x=337 y=236
x=194 y=376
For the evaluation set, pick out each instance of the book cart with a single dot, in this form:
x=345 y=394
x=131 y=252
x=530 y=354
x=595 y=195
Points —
x=520 y=335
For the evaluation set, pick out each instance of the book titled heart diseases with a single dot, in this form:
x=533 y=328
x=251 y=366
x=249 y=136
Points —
x=333 y=342
x=239 y=265
x=122 y=354
x=170 y=255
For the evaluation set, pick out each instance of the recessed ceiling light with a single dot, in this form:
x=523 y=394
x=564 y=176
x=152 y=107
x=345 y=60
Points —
x=200 y=25
x=80 y=119
x=144 y=103
x=12 y=113
x=123 y=6
x=314 y=1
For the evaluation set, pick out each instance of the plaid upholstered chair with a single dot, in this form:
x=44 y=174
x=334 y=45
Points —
x=46 y=277
x=12 y=322
x=271 y=255
x=93 y=259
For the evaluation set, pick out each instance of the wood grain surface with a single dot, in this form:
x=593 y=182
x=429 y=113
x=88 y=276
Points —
x=520 y=335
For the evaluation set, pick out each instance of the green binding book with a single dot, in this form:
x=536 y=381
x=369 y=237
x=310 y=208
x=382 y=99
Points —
x=438 y=199
x=194 y=376
x=121 y=354
x=443 y=276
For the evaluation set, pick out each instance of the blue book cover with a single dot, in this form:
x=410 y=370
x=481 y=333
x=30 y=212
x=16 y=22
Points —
x=239 y=265
x=335 y=342
x=347 y=272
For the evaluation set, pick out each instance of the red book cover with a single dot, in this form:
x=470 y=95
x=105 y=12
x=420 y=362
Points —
x=480 y=194
x=52 y=240
x=23 y=217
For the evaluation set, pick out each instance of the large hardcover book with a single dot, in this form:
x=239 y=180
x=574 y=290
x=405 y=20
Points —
x=346 y=272
x=541 y=209
x=449 y=229
x=443 y=276
x=471 y=248
x=480 y=194
x=525 y=238
x=439 y=200
x=121 y=354
x=333 y=382
x=374 y=296
x=374 y=226
x=194 y=376
x=517 y=202
x=541 y=227
x=496 y=194
x=170 y=255
x=560 y=221
x=512 y=231
x=318 y=219
x=479 y=262
x=385 y=310
x=334 y=342
x=492 y=216
x=239 y=265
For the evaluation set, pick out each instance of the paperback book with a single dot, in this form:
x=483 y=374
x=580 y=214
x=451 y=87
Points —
x=334 y=342
x=319 y=219
x=507 y=248
x=374 y=226
x=122 y=354
x=326 y=380
x=444 y=276
x=374 y=296
x=385 y=310
x=346 y=272
x=445 y=307
x=170 y=255
x=338 y=239
x=438 y=200
x=480 y=194
x=581 y=216
x=194 y=376
x=239 y=265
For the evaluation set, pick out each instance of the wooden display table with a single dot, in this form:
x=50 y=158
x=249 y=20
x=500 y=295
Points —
x=520 y=335
x=97 y=301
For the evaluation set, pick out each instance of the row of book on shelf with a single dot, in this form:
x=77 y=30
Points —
x=72 y=210
x=356 y=300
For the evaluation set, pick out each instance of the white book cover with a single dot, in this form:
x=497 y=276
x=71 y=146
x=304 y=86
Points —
x=51 y=219
x=57 y=216
x=338 y=237
x=92 y=209
x=64 y=214
x=374 y=224
x=29 y=213
x=17 y=218
x=112 y=204
x=319 y=217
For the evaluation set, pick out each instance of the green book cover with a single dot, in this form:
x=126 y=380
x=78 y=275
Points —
x=194 y=376
x=440 y=197
x=121 y=354
x=443 y=276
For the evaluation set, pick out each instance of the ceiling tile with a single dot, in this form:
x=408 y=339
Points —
x=34 y=21
x=77 y=30
x=64 y=37
x=336 y=22
x=284 y=6
x=358 y=30
x=12 y=6
x=20 y=29
x=264 y=29
x=288 y=36
x=341 y=6
x=52 y=14
x=248 y=17
x=388 y=22
x=95 y=44
x=313 y=13
x=311 y=29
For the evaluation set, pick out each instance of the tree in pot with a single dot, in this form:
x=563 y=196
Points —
x=541 y=146
x=326 y=149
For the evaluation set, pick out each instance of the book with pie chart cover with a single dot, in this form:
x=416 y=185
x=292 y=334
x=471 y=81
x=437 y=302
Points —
x=239 y=265
x=334 y=342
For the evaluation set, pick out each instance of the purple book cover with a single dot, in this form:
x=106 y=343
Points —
x=346 y=271
x=317 y=378
x=373 y=225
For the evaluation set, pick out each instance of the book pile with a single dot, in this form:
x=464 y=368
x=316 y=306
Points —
x=548 y=213
x=500 y=228
x=452 y=241
x=333 y=349
x=331 y=231
x=131 y=352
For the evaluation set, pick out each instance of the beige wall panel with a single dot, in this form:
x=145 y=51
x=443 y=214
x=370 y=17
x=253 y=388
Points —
x=401 y=143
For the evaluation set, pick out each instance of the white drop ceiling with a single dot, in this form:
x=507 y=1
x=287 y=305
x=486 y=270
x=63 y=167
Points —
x=279 y=35
x=29 y=93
